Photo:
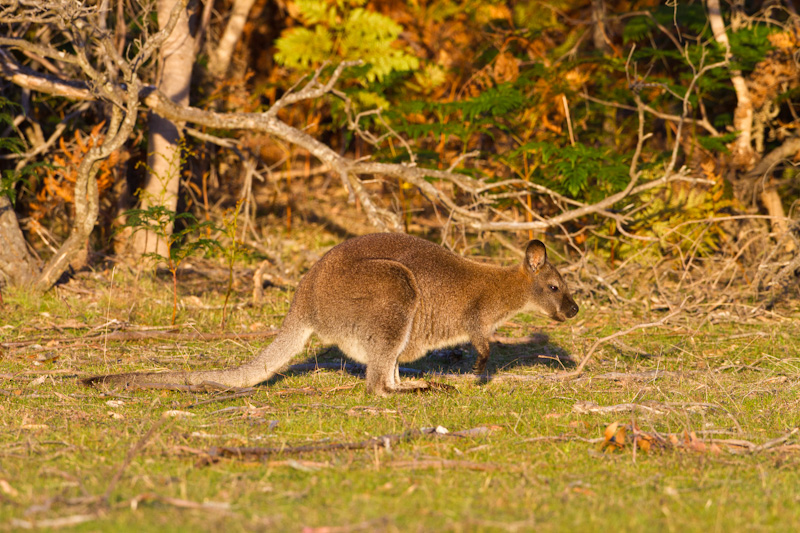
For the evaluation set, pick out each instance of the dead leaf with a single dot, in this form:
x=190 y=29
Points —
x=7 y=489
x=643 y=444
x=614 y=437
x=506 y=68
x=691 y=442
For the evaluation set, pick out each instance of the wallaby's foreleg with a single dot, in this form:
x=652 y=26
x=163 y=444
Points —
x=481 y=344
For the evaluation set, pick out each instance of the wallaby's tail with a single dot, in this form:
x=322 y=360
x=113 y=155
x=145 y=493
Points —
x=290 y=340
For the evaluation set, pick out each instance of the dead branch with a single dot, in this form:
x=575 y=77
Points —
x=129 y=336
x=655 y=408
x=181 y=503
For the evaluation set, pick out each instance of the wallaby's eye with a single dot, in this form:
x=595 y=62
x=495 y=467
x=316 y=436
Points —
x=554 y=288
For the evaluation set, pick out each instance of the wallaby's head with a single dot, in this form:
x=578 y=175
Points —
x=548 y=290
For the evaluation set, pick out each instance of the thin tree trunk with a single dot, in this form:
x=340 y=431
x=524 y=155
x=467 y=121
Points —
x=743 y=154
x=221 y=58
x=164 y=151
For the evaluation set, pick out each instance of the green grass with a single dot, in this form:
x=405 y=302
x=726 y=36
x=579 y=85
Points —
x=540 y=468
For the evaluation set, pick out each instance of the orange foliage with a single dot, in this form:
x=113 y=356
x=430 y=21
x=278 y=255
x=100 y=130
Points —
x=58 y=183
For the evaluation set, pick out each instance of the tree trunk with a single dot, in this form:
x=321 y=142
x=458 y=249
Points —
x=17 y=266
x=743 y=154
x=164 y=151
x=220 y=60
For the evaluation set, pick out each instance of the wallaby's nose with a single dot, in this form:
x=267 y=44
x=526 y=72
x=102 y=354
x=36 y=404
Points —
x=572 y=310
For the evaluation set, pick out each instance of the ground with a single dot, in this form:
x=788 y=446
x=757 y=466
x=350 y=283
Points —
x=706 y=412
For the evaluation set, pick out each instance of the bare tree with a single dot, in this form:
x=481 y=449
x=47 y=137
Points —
x=94 y=62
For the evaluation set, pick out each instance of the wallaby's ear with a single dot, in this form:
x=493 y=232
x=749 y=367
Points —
x=535 y=255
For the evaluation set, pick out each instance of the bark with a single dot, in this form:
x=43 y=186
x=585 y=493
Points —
x=601 y=43
x=163 y=150
x=743 y=153
x=221 y=58
x=760 y=178
x=17 y=267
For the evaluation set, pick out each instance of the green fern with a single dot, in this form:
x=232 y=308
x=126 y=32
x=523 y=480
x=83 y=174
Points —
x=344 y=31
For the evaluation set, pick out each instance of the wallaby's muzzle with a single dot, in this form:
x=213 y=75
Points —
x=567 y=309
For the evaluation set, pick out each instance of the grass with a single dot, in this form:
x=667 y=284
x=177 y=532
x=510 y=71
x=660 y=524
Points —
x=536 y=465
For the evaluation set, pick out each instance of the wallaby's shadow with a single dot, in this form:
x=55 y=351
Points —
x=506 y=354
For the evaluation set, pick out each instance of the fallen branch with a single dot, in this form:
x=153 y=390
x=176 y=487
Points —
x=219 y=507
x=440 y=464
x=385 y=441
x=53 y=523
x=145 y=336
x=650 y=408
x=647 y=375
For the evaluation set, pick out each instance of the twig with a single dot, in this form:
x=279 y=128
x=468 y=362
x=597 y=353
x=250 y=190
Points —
x=384 y=441
x=579 y=369
x=179 y=502
x=449 y=463
x=347 y=367
x=136 y=448
x=774 y=442
x=249 y=391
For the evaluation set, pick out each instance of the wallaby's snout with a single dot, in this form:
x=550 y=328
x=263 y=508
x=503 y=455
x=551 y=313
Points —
x=568 y=307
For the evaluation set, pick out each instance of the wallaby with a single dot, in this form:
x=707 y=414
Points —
x=388 y=298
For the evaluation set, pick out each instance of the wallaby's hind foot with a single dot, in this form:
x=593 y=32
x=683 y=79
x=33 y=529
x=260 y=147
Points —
x=479 y=368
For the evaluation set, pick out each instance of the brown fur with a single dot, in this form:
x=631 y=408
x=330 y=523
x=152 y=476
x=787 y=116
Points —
x=389 y=298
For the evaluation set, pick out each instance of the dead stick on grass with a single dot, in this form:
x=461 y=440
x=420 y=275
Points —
x=441 y=464
x=384 y=441
x=774 y=442
x=135 y=449
x=599 y=342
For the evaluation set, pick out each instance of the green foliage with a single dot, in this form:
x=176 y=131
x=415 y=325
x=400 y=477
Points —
x=14 y=145
x=461 y=118
x=749 y=45
x=181 y=243
x=344 y=31
x=681 y=216
x=717 y=144
x=232 y=251
x=580 y=171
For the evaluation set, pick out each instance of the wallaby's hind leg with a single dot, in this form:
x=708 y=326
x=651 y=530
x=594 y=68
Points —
x=372 y=321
